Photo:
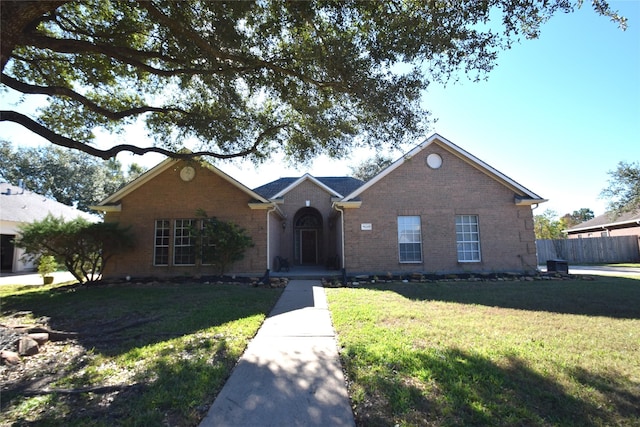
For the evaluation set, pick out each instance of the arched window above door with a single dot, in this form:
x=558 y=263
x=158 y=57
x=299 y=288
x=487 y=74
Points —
x=308 y=220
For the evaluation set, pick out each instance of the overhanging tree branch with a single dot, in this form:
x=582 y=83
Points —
x=63 y=91
x=63 y=141
x=178 y=28
x=16 y=16
x=225 y=72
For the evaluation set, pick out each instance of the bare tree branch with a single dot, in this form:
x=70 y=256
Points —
x=63 y=91
x=37 y=128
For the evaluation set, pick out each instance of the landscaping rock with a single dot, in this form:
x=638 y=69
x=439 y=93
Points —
x=27 y=346
x=39 y=337
x=9 y=357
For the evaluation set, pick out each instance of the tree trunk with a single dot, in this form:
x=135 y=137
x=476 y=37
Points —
x=17 y=16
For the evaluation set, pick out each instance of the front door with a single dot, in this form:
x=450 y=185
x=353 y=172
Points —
x=309 y=246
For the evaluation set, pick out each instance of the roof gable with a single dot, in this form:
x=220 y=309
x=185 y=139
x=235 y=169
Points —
x=166 y=165
x=337 y=186
x=523 y=195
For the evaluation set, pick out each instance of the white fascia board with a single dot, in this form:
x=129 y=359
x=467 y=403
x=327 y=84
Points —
x=458 y=152
x=267 y=206
x=234 y=182
x=603 y=226
x=138 y=182
x=300 y=180
x=488 y=170
x=393 y=166
x=524 y=202
x=348 y=204
x=107 y=208
x=162 y=167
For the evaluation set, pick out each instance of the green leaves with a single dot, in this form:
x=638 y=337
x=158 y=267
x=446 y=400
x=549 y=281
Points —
x=623 y=191
x=221 y=243
x=83 y=247
x=70 y=177
x=247 y=79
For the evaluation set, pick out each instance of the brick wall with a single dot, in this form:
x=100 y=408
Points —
x=294 y=201
x=437 y=196
x=168 y=197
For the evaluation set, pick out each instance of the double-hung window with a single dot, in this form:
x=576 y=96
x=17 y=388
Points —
x=468 y=238
x=161 y=245
x=409 y=239
x=184 y=245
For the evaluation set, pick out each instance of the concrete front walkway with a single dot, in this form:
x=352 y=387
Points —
x=290 y=373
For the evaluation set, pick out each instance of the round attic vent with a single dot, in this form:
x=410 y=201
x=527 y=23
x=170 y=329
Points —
x=434 y=161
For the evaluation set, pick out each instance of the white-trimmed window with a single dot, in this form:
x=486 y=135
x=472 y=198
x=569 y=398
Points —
x=409 y=239
x=161 y=244
x=468 y=238
x=184 y=247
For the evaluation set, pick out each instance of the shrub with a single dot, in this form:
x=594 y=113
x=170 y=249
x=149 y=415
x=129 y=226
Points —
x=222 y=243
x=47 y=265
x=83 y=247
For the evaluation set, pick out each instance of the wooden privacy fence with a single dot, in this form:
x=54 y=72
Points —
x=590 y=250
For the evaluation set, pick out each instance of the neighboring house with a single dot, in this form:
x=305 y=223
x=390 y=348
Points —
x=18 y=207
x=437 y=209
x=608 y=225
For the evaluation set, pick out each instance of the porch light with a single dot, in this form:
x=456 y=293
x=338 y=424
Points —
x=284 y=225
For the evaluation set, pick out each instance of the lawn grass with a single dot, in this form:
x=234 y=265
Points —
x=541 y=353
x=170 y=348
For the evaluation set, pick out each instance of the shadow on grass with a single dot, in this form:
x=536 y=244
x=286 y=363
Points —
x=458 y=388
x=124 y=320
x=605 y=296
x=115 y=319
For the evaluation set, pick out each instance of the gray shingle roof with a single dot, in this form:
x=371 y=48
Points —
x=20 y=205
x=340 y=184
x=607 y=219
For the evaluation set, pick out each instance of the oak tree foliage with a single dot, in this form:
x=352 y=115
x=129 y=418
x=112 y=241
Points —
x=371 y=167
x=248 y=78
x=623 y=190
x=576 y=217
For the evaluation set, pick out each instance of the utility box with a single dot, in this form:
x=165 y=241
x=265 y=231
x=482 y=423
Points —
x=557 y=265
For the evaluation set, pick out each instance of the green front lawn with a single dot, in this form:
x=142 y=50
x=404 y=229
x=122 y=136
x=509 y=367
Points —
x=544 y=353
x=158 y=354
x=455 y=353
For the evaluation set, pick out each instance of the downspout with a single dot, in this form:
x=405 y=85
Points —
x=342 y=263
x=269 y=211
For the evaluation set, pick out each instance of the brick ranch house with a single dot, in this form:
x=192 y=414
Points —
x=609 y=224
x=437 y=209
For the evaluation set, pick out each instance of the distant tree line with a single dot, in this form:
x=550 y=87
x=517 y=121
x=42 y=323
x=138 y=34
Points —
x=622 y=192
x=69 y=176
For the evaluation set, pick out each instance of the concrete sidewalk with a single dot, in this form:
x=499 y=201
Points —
x=290 y=373
x=30 y=278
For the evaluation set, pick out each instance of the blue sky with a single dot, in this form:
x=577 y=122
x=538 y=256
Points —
x=556 y=114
